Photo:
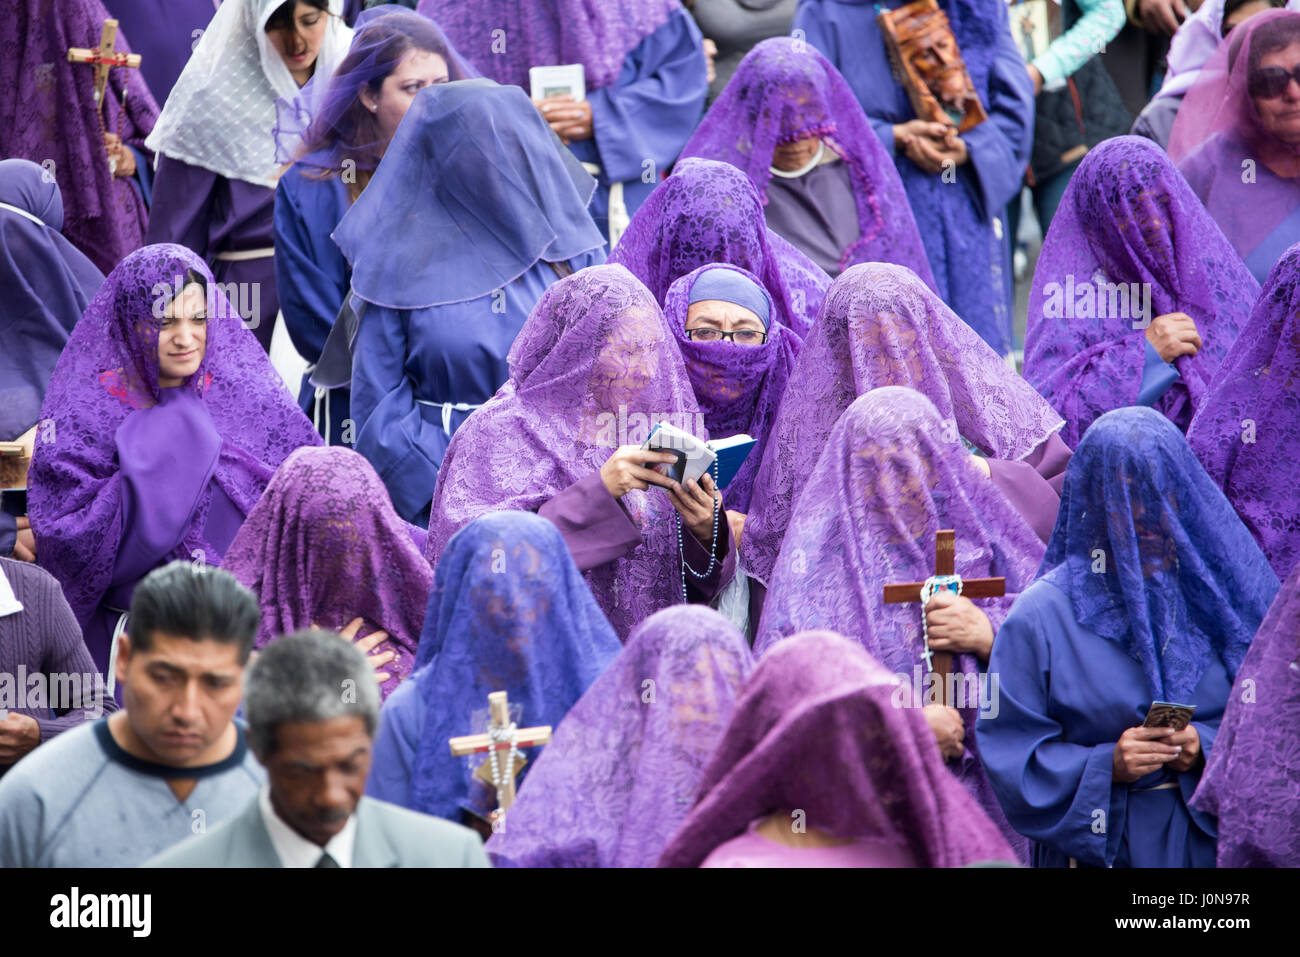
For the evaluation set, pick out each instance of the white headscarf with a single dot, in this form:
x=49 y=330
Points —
x=221 y=112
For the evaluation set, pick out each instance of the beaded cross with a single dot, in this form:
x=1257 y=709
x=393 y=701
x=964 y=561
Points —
x=103 y=60
x=502 y=736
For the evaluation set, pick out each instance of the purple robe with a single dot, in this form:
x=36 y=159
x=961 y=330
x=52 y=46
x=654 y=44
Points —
x=621 y=771
x=164 y=33
x=817 y=213
x=1129 y=242
x=131 y=475
x=323 y=546
x=817 y=730
x=594 y=368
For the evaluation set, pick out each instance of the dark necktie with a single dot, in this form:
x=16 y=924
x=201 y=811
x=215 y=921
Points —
x=327 y=861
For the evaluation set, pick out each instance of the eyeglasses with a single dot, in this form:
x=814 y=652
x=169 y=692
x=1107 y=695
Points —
x=1270 y=82
x=741 y=337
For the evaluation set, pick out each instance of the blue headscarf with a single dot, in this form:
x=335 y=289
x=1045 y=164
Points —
x=509 y=611
x=1152 y=556
x=474 y=189
x=733 y=286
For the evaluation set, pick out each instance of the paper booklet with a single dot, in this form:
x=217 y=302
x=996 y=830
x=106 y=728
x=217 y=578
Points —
x=568 y=78
x=695 y=457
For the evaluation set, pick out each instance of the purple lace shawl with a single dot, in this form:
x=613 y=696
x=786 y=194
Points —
x=1247 y=432
x=710 y=212
x=1183 y=580
x=738 y=388
x=1129 y=217
x=47 y=115
x=1252 y=777
x=324 y=546
x=881 y=325
x=623 y=767
x=108 y=370
x=816 y=730
x=594 y=367
x=786 y=90
x=503 y=38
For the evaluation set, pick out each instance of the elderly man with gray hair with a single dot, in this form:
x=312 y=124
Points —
x=312 y=707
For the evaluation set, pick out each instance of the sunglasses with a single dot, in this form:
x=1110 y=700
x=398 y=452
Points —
x=1270 y=82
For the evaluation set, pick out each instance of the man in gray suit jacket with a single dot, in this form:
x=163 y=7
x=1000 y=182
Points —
x=312 y=705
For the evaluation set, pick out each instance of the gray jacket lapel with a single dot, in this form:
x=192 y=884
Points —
x=372 y=848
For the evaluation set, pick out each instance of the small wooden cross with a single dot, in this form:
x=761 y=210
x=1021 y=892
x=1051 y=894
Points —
x=104 y=59
x=499 y=708
x=945 y=554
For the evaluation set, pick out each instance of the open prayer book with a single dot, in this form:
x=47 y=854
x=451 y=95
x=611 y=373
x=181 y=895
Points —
x=567 y=79
x=695 y=457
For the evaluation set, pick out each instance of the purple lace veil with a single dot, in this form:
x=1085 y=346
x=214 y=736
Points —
x=595 y=366
x=479 y=189
x=327 y=131
x=881 y=325
x=503 y=38
x=1129 y=219
x=785 y=90
x=324 y=546
x=1247 y=431
x=108 y=370
x=1184 y=580
x=738 y=388
x=623 y=767
x=509 y=611
x=710 y=212
x=816 y=730
x=1219 y=127
x=1251 y=781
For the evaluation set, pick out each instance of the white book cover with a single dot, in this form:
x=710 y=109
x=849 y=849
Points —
x=567 y=78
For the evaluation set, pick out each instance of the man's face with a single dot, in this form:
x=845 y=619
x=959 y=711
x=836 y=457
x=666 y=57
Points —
x=180 y=695
x=318 y=774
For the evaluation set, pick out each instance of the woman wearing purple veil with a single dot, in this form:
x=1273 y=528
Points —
x=323 y=547
x=710 y=212
x=161 y=427
x=217 y=166
x=1237 y=138
x=1251 y=783
x=882 y=326
x=623 y=767
x=48 y=115
x=395 y=53
x=1247 y=432
x=1137 y=295
x=1150 y=592
x=819 y=767
x=791 y=123
x=892 y=474
x=593 y=370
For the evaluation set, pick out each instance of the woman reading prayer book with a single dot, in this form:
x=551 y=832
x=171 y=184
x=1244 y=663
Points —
x=1151 y=590
x=395 y=53
x=451 y=247
x=1137 y=295
x=1247 y=432
x=882 y=326
x=889 y=478
x=819 y=767
x=622 y=769
x=166 y=423
x=593 y=370
x=792 y=124
x=710 y=212
x=509 y=611
x=215 y=188
x=324 y=548
x=645 y=74
x=958 y=184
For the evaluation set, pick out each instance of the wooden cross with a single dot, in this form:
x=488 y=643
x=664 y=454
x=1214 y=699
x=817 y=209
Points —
x=104 y=59
x=945 y=554
x=499 y=708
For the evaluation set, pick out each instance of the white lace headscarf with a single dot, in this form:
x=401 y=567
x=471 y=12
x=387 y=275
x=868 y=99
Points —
x=221 y=112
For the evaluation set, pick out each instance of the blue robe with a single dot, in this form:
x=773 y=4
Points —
x=959 y=222
x=1065 y=696
x=409 y=363
x=313 y=279
x=644 y=118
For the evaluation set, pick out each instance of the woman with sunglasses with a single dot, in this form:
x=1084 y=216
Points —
x=1237 y=138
